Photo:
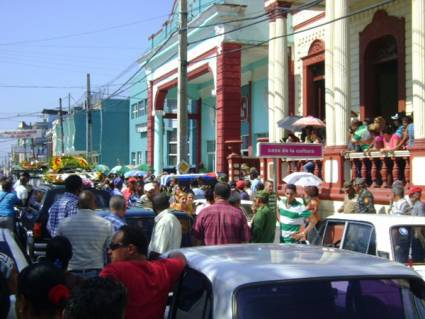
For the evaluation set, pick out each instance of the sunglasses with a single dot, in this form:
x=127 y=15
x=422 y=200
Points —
x=113 y=246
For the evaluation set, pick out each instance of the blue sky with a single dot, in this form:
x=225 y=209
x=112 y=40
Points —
x=24 y=60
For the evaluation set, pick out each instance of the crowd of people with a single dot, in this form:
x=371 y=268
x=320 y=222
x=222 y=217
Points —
x=100 y=267
x=382 y=134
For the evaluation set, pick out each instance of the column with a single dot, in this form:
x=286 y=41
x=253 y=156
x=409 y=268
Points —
x=341 y=75
x=337 y=72
x=270 y=86
x=158 y=142
x=329 y=88
x=228 y=93
x=417 y=156
x=150 y=126
x=281 y=85
x=418 y=72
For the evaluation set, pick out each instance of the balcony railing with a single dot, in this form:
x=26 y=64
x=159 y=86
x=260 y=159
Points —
x=380 y=169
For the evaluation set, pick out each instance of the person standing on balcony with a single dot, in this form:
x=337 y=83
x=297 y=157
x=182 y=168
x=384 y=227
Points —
x=361 y=136
x=391 y=140
x=407 y=137
x=365 y=200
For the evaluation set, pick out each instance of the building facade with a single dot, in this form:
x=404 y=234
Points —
x=253 y=63
x=110 y=132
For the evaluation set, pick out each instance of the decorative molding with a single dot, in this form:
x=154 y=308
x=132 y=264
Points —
x=309 y=21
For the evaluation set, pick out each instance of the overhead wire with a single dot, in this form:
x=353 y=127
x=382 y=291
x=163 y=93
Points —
x=307 y=5
x=261 y=43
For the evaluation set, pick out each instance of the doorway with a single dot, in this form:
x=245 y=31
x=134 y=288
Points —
x=314 y=81
x=382 y=66
x=317 y=107
x=386 y=103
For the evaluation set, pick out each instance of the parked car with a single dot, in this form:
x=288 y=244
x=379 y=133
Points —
x=31 y=225
x=293 y=281
x=397 y=238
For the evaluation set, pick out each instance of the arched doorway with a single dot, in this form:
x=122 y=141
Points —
x=382 y=70
x=314 y=80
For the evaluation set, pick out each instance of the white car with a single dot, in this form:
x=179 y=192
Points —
x=254 y=281
x=397 y=238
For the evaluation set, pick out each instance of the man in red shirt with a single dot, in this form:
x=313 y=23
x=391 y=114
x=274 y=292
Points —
x=221 y=223
x=148 y=282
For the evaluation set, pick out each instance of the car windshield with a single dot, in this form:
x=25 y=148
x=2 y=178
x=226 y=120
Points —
x=353 y=298
x=408 y=244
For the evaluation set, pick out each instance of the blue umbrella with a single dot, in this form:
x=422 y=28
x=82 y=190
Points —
x=134 y=173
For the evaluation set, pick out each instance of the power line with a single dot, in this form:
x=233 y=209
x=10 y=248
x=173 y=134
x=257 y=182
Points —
x=71 y=35
x=307 y=5
x=261 y=43
x=290 y=10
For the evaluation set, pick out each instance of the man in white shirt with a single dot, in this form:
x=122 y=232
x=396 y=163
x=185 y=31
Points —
x=89 y=235
x=22 y=187
x=167 y=231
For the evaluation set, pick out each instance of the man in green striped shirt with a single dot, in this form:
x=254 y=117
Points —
x=292 y=216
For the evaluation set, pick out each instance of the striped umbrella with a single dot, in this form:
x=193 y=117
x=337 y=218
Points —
x=309 y=121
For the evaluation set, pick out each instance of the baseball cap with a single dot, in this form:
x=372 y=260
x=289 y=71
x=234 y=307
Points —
x=414 y=189
x=240 y=184
x=132 y=180
x=262 y=194
x=148 y=187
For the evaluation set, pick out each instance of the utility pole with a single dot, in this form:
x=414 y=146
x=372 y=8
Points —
x=69 y=103
x=182 y=120
x=61 y=126
x=89 y=120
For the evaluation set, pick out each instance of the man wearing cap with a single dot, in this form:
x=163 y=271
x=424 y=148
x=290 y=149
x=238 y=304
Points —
x=417 y=208
x=240 y=186
x=147 y=199
x=365 y=200
x=264 y=221
x=350 y=200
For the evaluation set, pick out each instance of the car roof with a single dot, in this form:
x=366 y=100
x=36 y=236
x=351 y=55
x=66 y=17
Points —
x=231 y=266
x=265 y=262
x=381 y=219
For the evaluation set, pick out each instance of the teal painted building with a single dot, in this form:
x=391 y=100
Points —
x=215 y=116
x=110 y=132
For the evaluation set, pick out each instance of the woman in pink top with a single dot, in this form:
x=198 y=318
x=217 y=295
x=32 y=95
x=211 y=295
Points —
x=378 y=139
x=391 y=140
